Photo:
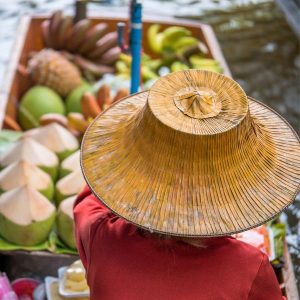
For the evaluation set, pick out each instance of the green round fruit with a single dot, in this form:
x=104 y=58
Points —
x=38 y=101
x=74 y=98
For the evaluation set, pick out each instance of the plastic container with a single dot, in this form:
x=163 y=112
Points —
x=61 y=286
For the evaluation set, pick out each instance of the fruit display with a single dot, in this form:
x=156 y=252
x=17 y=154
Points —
x=26 y=216
x=22 y=173
x=91 y=47
x=23 y=176
x=51 y=69
x=179 y=50
x=65 y=222
x=79 y=74
x=36 y=102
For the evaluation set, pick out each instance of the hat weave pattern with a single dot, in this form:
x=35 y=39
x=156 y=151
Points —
x=166 y=171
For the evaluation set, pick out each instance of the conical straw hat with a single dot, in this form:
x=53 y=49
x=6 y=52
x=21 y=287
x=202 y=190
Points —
x=192 y=157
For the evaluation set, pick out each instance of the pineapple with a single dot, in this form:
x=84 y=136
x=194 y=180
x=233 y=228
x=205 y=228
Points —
x=53 y=70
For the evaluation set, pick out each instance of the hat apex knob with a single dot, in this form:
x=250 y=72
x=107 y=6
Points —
x=197 y=103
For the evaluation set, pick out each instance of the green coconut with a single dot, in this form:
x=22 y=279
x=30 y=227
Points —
x=22 y=172
x=26 y=216
x=69 y=185
x=38 y=101
x=70 y=164
x=33 y=152
x=65 y=222
x=57 y=138
x=73 y=101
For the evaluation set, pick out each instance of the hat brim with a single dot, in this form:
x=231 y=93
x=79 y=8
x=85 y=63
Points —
x=238 y=195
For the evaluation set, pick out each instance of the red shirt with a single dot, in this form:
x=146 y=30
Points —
x=122 y=264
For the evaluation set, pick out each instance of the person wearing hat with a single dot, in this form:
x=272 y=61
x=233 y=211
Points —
x=174 y=172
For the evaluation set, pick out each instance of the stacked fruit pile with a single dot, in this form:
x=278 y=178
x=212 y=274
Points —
x=59 y=95
x=36 y=177
x=40 y=173
x=176 y=49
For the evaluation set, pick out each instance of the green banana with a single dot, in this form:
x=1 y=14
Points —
x=155 y=38
x=179 y=66
x=183 y=43
x=148 y=74
x=216 y=69
x=154 y=64
x=198 y=60
x=121 y=67
x=172 y=34
x=125 y=58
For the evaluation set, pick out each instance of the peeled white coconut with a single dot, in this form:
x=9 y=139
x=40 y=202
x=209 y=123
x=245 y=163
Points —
x=65 y=222
x=33 y=152
x=70 y=164
x=69 y=185
x=56 y=138
x=22 y=172
x=26 y=216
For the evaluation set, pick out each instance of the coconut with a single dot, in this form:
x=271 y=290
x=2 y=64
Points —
x=70 y=164
x=65 y=222
x=56 y=138
x=73 y=101
x=69 y=185
x=26 y=216
x=21 y=173
x=37 y=101
x=31 y=151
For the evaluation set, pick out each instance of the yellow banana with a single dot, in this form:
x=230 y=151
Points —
x=172 y=34
x=155 y=38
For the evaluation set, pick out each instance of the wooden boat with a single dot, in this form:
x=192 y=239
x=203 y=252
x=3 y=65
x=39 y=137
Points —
x=29 y=39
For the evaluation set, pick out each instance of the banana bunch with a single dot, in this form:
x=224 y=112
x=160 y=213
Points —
x=90 y=47
x=179 y=50
x=149 y=67
x=174 y=39
x=209 y=64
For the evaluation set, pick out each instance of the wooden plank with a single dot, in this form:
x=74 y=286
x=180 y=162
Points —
x=18 y=264
x=11 y=70
x=289 y=276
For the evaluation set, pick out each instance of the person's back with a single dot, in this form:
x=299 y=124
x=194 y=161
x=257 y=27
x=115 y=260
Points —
x=191 y=158
x=123 y=264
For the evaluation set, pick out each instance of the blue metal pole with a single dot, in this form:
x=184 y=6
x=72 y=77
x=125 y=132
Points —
x=136 y=46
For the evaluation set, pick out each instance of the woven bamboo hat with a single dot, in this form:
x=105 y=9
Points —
x=192 y=157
